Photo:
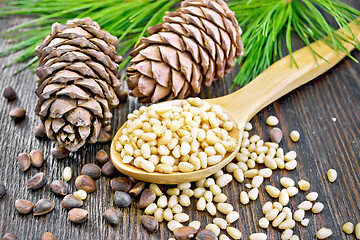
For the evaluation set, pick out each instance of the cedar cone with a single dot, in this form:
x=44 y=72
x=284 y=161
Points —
x=78 y=77
x=194 y=46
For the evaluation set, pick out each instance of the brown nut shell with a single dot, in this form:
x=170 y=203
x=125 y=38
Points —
x=17 y=114
x=78 y=215
x=120 y=184
x=101 y=156
x=37 y=181
x=58 y=187
x=206 y=235
x=149 y=222
x=185 y=233
x=86 y=183
x=112 y=216
x=147 y=197
x=137 y=189
x=24 y=161
x=91 y=170
x=43 y=206
x=48 y=236
x=23 y=206
x=37 y=158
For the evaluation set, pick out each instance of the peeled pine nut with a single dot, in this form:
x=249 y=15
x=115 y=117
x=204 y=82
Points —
x=267 y=207
x=286 y=235
x=244 y=198
x=223 y=180
x=232 y=216
x=201 y=204
x=258 y=236
x=181 y=217
x=272 y=191
x=67 y=174
x=220 y=198
x=279 y=219
x=318 y=207
x=159 y=214
x=332 y=175
x=305 y=205
x=278 y=206
x=263 y=223
x=210 y=207
x=348 y=228
x=233 y=232
x=324 y=233
x=287 y=182
x=299 y=215
x=265 y=172
x=292 y=191
x=253 y=193
x=357 y=231
x=155 y=188
x=312 y=196
x=214 y=228
x=272 y=214
x=239 y=175
x=305 y=222
x=289 y=223
x=288 y=213
x=257 y=181
x=294 y=135
x=272 y=121
x=304 y=185
x=284 y=197
x=220 y=222
x=225 y=208
x=294 y=237
x=195 y=224
x=173 y=224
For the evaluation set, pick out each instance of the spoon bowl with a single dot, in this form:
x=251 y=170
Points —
x=175 y=177
x=276 y=81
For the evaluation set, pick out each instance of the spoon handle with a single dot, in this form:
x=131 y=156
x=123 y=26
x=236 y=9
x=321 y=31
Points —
x=282 y=77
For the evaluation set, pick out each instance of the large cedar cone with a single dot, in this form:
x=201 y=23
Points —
x=194 y=46
x=78 y=77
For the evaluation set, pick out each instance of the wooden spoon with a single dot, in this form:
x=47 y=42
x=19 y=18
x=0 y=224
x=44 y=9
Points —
x=279 y=79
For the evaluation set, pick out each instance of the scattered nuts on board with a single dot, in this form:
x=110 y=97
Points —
x=182 y=138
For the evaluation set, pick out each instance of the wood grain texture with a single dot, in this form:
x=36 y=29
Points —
x=323 y=144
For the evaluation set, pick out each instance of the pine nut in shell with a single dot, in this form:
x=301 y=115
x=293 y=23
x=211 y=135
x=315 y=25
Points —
x=195 y=224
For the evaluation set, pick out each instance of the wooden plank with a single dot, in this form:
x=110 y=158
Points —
x=324 y=144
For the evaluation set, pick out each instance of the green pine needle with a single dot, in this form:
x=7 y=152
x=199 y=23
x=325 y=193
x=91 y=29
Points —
x=266 y=25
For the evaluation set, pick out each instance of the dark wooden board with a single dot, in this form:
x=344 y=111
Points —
x=324 y=144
